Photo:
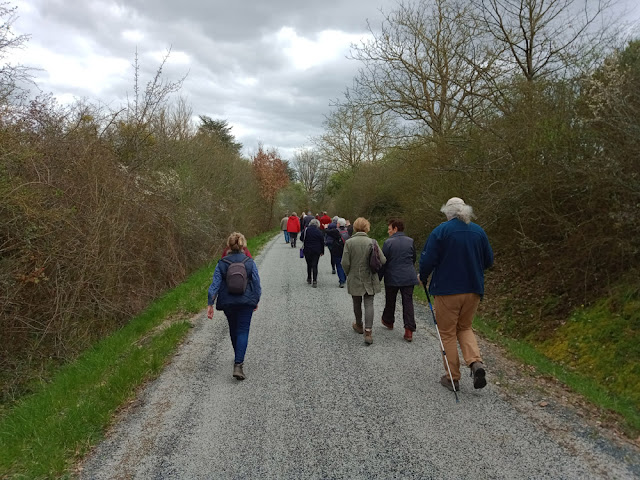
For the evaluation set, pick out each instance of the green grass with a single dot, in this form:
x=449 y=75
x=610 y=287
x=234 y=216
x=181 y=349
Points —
x=45 y=433
x=596 y=353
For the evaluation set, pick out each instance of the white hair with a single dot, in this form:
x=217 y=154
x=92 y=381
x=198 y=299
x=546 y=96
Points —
x=335 y=219
x=341 y=222
x=456 y=208
x=315 y=222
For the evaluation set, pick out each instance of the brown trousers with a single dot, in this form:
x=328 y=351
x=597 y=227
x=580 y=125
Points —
x=454 y=314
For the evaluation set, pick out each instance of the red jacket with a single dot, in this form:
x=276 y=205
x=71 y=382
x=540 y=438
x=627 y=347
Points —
x=293 y=224
x=324 y=221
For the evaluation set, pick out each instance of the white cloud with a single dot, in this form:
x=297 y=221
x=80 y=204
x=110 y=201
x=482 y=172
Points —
x=89 y=72
x=304 y=53
x=134 y=36
x=175 y=57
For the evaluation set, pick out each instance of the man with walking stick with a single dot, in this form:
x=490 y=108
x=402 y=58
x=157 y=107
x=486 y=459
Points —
x=456 y=255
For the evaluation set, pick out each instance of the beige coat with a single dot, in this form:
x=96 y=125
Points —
x=355 y=262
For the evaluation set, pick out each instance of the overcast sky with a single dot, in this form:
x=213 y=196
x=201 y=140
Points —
x=269 y=67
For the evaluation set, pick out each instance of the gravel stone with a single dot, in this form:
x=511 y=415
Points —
x=318 y=403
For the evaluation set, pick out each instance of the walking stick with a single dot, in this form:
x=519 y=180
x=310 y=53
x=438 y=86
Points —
x=444 y=354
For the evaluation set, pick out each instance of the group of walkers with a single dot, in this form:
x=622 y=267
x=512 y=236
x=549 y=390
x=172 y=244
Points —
x=316 y=233
x=455 y=256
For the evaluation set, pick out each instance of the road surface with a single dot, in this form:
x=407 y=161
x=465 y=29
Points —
x=319 y=403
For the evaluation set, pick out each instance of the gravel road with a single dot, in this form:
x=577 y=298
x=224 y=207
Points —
x=319 y=403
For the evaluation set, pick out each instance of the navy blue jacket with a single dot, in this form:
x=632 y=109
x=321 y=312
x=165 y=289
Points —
x=458 y=254
x=313 y=240
x=218 y=288
x=399 y=271
x=328 y=240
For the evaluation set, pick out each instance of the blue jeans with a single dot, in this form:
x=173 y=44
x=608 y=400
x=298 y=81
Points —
x=239 y=318
x=342 y=278
x=286 y=236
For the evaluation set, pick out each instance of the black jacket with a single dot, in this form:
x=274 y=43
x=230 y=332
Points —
x=337 y=246
x=313 y=240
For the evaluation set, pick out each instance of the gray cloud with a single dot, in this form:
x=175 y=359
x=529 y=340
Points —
x=237 y=65
x=236 y=68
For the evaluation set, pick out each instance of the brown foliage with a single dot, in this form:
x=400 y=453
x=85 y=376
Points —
x=271 y=174
x=87 y=239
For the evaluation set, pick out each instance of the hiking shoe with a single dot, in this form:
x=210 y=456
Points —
x=408 y=335
x=368 y=339
x=237 y=371
x=478 y=373
x=315 y=284
x=357 y=328
x=388 y=325
x=445 y=381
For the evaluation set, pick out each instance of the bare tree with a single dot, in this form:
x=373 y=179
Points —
x=544 y=37
x=354 y=134
x=136 y=131
x=310 y=170
x=424 y=66
x=13 y=78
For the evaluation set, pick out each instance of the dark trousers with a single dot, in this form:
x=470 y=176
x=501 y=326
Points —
x=368 y=310
x=312 y=265
x=332 y=259
x=293 y=236
x=390 y=295
x=239 y=319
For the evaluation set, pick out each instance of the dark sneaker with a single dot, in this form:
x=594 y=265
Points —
x=309 y=281
x=445 y=381
x=237 y=371
x=368 y=339
x=408 y=335
x=388 y=325
x=341 y=285
x=357 y=328
x=333 y=271
x=478 y=373
x=315 y=284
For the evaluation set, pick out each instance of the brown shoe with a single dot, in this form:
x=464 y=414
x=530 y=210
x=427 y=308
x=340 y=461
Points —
x=237 y=371
x=408 y=335
x=445 y=381
x=478 y=373
x=368 y=339
x=357 y=328
x=388 y=325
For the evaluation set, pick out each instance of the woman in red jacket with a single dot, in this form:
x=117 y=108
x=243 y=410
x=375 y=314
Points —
x=293 y=227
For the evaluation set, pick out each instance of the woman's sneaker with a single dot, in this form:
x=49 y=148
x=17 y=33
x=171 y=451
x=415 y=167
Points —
x=237 y=371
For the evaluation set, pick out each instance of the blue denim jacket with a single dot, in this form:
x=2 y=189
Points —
x=218 y=288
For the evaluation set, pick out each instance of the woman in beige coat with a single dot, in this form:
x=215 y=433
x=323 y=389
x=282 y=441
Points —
x=362 y=283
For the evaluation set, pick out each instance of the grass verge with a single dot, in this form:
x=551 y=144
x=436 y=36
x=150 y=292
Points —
x=45 y=433
x=599 y=392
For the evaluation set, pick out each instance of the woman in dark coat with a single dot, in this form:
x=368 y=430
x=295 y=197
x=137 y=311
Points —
x=313 y=240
